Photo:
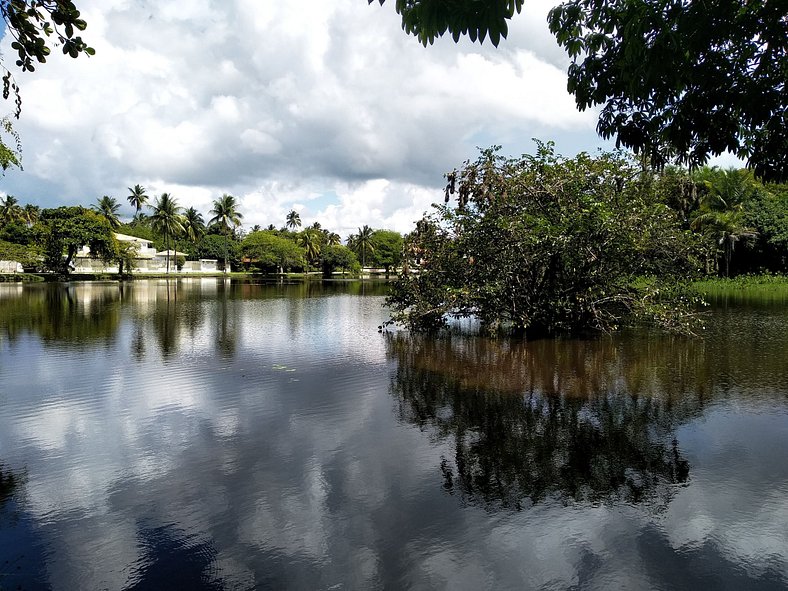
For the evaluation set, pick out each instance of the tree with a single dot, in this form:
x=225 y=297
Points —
x=227 y=217
x=386 y=249
x=214 y=246
x=65 y=230
x=361 y=243
x=309 y=241
x=333 y=239
x=545 y=244
x=193 y=224
x=270 y=252
x=30 y=214
x=720 y=215
x=10 y=210
x=293 y=220
x=167 y=221
x=137 y=198
x=676 y=80
x=337 y=256
x=108 y=207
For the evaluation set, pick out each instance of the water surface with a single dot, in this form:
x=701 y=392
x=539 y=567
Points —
x=247 y=436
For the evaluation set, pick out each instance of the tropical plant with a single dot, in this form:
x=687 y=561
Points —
x=137 y=197
x=30 y=214
x=10 y=210
x=227 y=217
x=193 y=224
x=310 y=242
x=293 y=220
x=362 y=243
x=108 y=207
x=720 y=215
x=333 y=239
x=167 y=221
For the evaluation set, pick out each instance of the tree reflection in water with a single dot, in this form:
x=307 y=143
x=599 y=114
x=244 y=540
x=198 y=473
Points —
x=536 y=421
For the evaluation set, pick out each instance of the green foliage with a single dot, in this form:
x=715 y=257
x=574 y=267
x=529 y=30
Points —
x=547 y=244
x=137 y=197
x=268 y=251
x=214 y=246
x=9 y=156
x=226 y=217
x=293 y=220
x=386 y=249
x=767 y=214
x=17 y=232
x=362 y=244
x=63 y=231
x=31 y=23
x=676 y=80
x=337 y=256
x=108 y=207
x=28 y=255
x=430 y=19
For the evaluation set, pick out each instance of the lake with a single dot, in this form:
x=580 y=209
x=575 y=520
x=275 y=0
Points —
x=210 y=434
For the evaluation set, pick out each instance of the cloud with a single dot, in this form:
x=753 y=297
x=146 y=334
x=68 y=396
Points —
x=246 y=97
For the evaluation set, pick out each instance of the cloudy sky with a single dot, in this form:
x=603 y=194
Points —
x=324 y=106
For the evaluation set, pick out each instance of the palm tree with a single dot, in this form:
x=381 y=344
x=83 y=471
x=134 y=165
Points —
x=137 y=197
x=31 y=214
x=10 y=211
x=311 y=246
x=293 y=220
x=726 y=228
x=226 y=216
x=333 y=239
x=108 y=208
x=193 y=224
x=361 y=243
x=721 y=211
x=167 y=221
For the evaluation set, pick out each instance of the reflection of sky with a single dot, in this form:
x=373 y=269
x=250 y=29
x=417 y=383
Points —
x=234 y=467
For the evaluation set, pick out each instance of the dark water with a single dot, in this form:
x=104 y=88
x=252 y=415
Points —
x=268 y=437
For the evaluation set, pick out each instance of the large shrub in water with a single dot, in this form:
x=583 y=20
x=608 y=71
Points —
x=547 y=244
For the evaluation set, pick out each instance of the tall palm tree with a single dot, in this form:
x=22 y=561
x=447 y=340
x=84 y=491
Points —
x=108 y=208
x=137 y=197
x=227 y=217
x=10 y=210
x=193 y=224
x=293 y=220
x=333 y=239
x=361 y=243
x=311 y=245
x=166 y=220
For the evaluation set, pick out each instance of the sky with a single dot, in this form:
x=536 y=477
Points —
x=322 y=106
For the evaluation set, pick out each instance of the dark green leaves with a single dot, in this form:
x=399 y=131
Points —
x=31 y=23
x=478 y=20
x=547 y=245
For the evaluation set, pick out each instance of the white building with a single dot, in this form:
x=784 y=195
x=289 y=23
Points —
x=146 y=260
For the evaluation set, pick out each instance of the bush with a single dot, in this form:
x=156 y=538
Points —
x=546 y=244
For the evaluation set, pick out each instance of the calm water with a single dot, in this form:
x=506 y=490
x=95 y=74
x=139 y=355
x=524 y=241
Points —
x=268 y=437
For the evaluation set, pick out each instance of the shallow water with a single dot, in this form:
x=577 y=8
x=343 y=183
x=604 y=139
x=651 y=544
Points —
x=247 y=436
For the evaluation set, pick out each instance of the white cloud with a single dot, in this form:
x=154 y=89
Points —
x=248 y=97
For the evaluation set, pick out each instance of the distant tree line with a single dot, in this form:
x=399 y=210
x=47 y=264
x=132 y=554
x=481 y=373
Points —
x=49 y=239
